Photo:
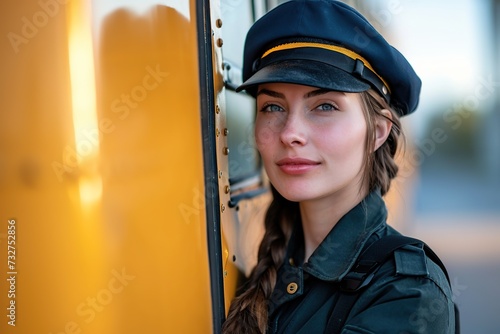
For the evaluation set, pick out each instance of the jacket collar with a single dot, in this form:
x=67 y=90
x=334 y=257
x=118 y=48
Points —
x=335 y=256
x=338 y=252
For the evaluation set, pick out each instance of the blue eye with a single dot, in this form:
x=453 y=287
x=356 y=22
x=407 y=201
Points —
x=327 y=107
x=271 y=108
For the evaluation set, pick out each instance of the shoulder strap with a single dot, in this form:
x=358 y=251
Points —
x=363 y=272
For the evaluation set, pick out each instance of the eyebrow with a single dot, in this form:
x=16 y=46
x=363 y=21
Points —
x=317 y=92
x=313 y=93
x=270 y=93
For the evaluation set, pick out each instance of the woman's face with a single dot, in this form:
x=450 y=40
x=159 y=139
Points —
x=312 y=141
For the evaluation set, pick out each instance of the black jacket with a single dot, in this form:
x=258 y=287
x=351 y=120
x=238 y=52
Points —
x=409 y=294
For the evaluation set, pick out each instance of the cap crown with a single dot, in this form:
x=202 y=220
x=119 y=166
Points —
x=339 y=24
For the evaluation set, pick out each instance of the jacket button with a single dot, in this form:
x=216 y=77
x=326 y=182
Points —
x=292 y=288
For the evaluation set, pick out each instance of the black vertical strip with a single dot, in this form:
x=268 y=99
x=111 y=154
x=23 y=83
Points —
x=212 y=203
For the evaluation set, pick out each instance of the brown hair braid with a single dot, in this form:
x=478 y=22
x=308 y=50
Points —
x=248 y=313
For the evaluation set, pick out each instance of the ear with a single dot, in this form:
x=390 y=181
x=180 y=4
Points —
x=383 y=126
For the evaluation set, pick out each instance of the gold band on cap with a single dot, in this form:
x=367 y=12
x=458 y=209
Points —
x=346 y=52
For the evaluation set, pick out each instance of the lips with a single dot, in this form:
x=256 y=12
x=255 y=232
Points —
x=297 y=166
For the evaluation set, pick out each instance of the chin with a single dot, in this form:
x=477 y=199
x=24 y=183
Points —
x=294 y=195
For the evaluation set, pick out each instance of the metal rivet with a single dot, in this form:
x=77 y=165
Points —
x=226 y=131
x=217 y=132
x=225 y=150
x=227 y=189
x=291 y=261
x=220 y=174
x=222 y=208
x=217 y=109
x=384 y=90
x=292 y=288
x=219 y=42
x=218 y=23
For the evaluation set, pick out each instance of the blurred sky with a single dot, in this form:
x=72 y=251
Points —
x=448 y=42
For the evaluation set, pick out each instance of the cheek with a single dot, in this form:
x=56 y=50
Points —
x=263 y=137
x=266 y=133
x=345 y=142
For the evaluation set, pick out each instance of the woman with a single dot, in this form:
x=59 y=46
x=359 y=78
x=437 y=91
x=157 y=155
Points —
x=330 y=91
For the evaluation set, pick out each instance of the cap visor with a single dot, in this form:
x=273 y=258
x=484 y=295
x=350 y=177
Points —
x=305 y=72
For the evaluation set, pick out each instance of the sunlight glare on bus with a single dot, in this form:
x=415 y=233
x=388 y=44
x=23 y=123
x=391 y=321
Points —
x=83 y=90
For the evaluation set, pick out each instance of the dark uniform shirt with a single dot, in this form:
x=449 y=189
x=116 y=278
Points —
x=409 y=294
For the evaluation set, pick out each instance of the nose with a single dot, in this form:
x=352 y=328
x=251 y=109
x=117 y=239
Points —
x=293 y=132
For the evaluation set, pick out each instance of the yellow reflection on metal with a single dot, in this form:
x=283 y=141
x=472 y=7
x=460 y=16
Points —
x=101 y=166
x=83 y=96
